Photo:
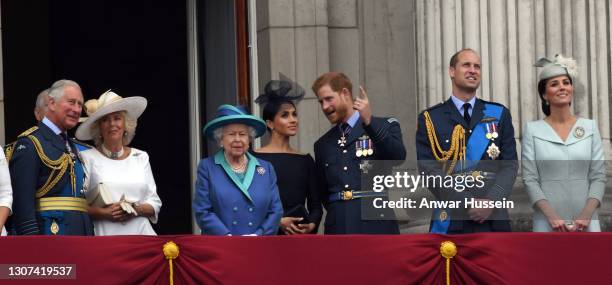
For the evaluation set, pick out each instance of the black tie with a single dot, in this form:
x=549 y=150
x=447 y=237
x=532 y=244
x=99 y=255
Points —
x=466 y=113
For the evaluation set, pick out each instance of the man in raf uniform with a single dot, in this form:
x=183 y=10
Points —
x=46 y=171
x=469 y=136
x=345 y=149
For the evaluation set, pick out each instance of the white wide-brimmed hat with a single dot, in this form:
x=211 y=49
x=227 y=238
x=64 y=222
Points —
x=109 y=102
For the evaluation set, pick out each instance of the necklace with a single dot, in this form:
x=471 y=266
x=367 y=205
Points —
x=112 y=154
x=241 y=167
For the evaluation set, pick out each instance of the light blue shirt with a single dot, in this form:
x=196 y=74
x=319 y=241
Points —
x=459 y=104
x=353 y=119
x=51 y=126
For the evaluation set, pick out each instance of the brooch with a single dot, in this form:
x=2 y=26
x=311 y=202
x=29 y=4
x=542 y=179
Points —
x=579 y=132
x=261 y=170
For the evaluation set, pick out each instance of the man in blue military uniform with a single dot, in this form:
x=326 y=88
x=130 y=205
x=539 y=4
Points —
x=46 y=171
x=468 y=135
x=355 y=138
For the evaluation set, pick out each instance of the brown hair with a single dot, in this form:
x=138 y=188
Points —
x=336 y=81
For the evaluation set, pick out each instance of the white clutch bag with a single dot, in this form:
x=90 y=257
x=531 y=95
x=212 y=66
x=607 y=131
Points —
x=101 y=197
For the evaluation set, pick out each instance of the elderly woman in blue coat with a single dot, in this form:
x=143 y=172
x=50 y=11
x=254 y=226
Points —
x=236 y=193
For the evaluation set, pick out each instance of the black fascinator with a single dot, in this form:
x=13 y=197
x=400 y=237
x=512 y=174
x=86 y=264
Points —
x=281 y=90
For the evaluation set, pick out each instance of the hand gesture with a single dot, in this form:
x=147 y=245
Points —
x=116 y=213
x=362 y=104
x=480 y=215
x=289 y=226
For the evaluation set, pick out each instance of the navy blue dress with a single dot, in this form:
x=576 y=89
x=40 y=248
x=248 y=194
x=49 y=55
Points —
x=297 y=182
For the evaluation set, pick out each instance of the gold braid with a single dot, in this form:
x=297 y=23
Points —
x=457 y=148
x=58 y=168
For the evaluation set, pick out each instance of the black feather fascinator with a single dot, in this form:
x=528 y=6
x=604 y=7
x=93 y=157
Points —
x=281 y=90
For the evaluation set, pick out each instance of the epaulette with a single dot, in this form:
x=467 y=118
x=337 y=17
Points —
x=28 y=132
x=494 y=103
x=435 y=106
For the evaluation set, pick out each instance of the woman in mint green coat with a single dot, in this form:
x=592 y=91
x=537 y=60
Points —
x=562 y=157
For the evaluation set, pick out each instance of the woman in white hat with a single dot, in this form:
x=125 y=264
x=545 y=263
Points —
x=119 y=184
x=236 y=193
x=562 y=156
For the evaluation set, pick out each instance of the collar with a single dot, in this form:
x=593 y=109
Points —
x=51 y=126
x=352 y=121
x=459 y=104
x=242 y=184
x=220 y=159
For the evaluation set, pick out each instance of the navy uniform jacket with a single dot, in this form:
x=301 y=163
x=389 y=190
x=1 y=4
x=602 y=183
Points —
x=445 y=117
x=338 y=170
x=28 y=174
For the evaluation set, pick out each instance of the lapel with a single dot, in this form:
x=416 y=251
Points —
x=545 y=131
x=249 y=173
x=453 y=113
x=477 y=113
x=52 y=138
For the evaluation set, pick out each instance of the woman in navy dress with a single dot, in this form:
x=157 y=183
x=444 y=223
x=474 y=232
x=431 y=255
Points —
x=295 y=171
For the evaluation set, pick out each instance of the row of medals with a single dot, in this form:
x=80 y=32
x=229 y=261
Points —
x=363 y=145
x=493 y=150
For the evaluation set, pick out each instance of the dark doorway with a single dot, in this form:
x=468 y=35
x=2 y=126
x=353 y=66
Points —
x=136 y=48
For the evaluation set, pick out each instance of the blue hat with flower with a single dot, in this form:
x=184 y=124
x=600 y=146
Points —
x=229 y=114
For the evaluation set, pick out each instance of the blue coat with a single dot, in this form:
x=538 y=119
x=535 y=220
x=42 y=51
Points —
x=445 y=117
x=338 y=169
x=222 y=207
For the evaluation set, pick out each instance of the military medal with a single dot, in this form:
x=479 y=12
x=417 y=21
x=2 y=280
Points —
x=491 y=131
x=579 y=132
x=443 y=216
x=342 y=140
x=494 y=134
x=489 y=134
x=359 y=151
x=370 y=149
x=54 y=228
x=493 y=151
x=365 y=166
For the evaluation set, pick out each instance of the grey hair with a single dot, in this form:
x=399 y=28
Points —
x=57 y=89
x=130 y=129
x=218 y=134
x=41 y=101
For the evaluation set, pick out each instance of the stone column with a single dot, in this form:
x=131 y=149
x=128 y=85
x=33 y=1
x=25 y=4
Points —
x=293 y=40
